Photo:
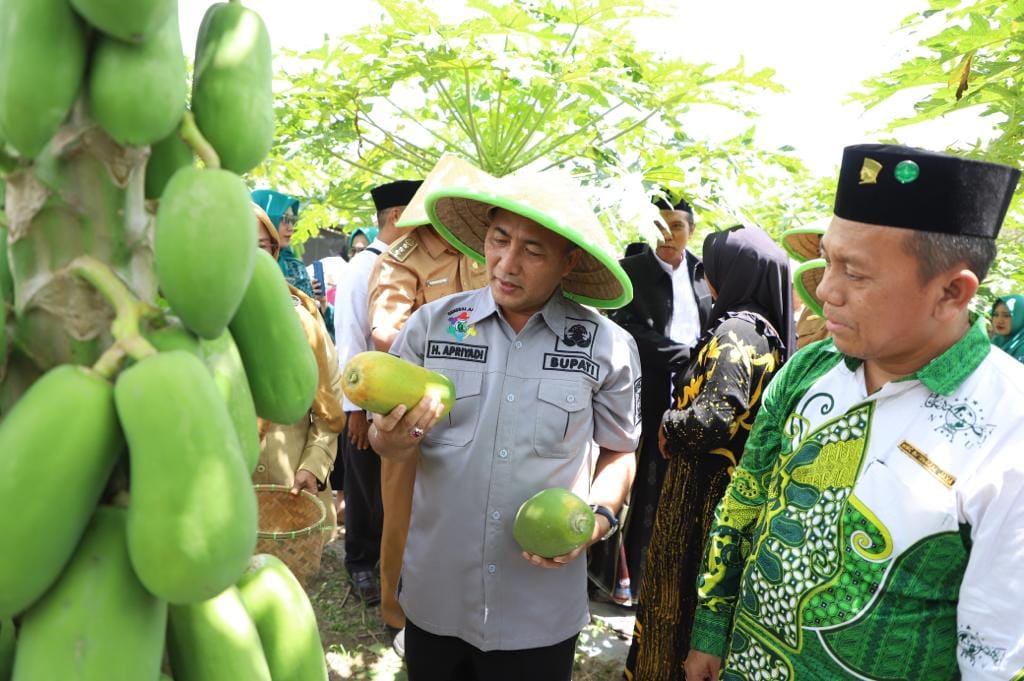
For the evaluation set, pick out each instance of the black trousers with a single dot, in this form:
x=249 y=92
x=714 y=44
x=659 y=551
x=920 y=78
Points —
x=364 y=515
x=429 y=657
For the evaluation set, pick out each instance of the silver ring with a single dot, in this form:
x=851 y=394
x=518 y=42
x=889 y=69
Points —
x=416 y=432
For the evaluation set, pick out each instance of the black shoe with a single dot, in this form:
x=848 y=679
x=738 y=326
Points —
x=366 y=586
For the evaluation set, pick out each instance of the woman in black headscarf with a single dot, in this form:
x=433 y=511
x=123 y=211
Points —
x=749 y=336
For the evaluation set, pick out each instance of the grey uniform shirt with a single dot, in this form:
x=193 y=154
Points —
x=529 y=408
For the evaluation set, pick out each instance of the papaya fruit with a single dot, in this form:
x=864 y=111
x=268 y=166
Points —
x=278 y=361
x=232 y=96
x=67 y=420
x=133 y=21
x=379 y=382
x=204 y=247
x=215 y=640
x=166 y=157
x=224 y=363
x=97 y=623
x=553 y=522
x=225 y=366
x=42 y=63
x=137 y=92
x=7 y=639
x=6 y=279
x=285 y=620
x=192 y=518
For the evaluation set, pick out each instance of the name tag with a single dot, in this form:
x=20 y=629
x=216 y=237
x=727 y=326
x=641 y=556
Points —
x=437 y=282
x=460 y=351
x=926 y=463
x=577 y=363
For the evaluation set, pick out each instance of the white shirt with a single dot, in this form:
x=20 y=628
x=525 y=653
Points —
x=684 y=324
x=351 y=317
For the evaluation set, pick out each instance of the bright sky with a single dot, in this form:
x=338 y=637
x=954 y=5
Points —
x=820 y=50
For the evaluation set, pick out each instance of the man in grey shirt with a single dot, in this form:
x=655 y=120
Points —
x=540 y=380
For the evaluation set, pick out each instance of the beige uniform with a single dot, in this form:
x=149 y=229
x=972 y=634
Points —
x=417 y=269
x=310 y=443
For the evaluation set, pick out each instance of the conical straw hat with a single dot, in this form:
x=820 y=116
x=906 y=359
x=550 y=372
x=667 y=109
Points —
x=450 y=171
x=804 y=243
x=806 y=278
x=552 y=200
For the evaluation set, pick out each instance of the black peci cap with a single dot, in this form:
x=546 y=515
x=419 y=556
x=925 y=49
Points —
x=897 y=186
x=667 y=203
x=392 y=194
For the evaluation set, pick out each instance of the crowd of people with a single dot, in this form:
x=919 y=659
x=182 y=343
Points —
x=799 y=454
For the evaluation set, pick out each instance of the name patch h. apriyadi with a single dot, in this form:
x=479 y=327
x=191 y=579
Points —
x=462 y=351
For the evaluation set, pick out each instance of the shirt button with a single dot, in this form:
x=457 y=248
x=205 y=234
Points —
x=503 y=454
x=492 y=568
x=519 y=344
x=570 y=398
x=510 y=397
x=496 y=515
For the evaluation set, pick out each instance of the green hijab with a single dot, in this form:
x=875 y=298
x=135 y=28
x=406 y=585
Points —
x=1012 y=343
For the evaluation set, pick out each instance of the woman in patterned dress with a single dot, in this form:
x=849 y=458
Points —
x=716 y=399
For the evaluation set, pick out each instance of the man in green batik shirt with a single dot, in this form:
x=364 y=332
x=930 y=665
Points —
x=874 y=528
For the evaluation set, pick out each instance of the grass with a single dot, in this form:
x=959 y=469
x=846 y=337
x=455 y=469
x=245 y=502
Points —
x=358 y=647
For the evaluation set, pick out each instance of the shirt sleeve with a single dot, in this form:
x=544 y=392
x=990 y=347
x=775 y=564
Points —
x=617 y=402
x=410 y=344
x=327 y=400
x=350 y=323
x=731 y=535
x=990 y=632
x=710 y=406
x=392 y=294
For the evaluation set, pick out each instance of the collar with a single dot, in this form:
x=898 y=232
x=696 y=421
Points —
x=432 y=241
x=945 y=373
x=481 y=305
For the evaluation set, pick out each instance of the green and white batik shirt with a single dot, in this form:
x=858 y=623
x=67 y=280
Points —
x=874 y=536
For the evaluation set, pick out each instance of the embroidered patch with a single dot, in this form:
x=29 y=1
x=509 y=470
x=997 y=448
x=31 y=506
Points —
x=577 y=337
x=401 y=250
x=462 y=351
x=636 y=402
x=459 y=327
x=959 y=419
x=917 y=455
x=575 y=363
x=972 y=648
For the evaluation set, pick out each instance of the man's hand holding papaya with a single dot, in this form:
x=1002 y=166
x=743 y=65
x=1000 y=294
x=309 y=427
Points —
x=397 y=434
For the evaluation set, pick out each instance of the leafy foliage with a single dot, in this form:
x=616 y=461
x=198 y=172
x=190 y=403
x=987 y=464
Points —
x=539 y=84
x=972 y=57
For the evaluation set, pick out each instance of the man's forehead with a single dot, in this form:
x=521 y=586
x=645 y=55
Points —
x=514 y=224
x=859 y=240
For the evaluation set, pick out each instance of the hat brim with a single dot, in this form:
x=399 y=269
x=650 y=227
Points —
x=803 y=243
x=450 y=170
x=460 y=215
x=806 y=278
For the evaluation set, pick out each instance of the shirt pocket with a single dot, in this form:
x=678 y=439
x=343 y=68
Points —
x=561 y=414
x=457 y=427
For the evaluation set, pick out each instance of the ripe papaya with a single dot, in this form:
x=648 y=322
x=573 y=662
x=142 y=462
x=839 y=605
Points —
x=166 y=157
x=67 y=420
x=204 y=248
x=215 y=640
x=379 y=382
x=137 y=92
x=278 y=361
x=224 y=363
x=130 y=21
x=192 y=518
x=225 y=366
x=553 y=522
x=7 y=639
x=231 y=92
x=97 y=623
x=285 y=620
x=42 y=62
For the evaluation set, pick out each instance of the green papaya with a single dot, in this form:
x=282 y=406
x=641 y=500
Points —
x=58 y=446
x=6 y=279
x=225 y=366
x=278 y=361
x=166 y=157
x=205 y=247
x=285 y=620
x=379 y=382
x=224 y=363
x=137 y=92
x=553 y=522
x=232 y=94
x=192 y=518
x=97 y=623
x=7 y=639
x=42 y=62
x=215 y=640
x=133 y=21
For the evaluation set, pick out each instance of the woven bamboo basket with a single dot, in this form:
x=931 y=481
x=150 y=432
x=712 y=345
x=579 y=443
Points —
x=291 y=528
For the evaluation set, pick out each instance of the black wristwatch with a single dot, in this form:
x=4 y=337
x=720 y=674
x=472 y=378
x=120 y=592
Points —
x=613 y=520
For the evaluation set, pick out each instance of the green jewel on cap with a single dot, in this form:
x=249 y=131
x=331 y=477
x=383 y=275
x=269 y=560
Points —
x=906 y=172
